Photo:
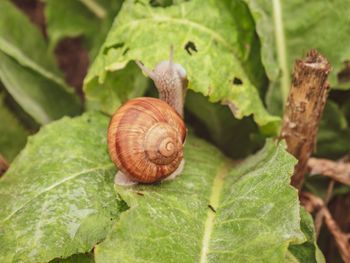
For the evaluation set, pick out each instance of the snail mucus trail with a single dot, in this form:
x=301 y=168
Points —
x=146 y=135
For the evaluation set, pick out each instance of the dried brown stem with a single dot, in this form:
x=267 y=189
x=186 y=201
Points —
x=306 y=101
x=338 y=171
x=329 y=192
x=4 y=165
x=313 y=203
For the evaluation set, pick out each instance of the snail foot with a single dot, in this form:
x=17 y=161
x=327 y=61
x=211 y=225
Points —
x=176 y=172
x=123 y=179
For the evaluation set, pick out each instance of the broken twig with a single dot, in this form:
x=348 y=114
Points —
x=313 y=203
x=306 y=101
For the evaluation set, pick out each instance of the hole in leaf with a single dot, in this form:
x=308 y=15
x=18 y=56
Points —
x=160 y=3
x=115 y=46
x=190 y=47
x=126 y=51
x=237 y=81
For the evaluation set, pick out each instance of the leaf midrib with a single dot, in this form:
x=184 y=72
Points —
x=281 y=48
x=214 y=199
x=59 y=183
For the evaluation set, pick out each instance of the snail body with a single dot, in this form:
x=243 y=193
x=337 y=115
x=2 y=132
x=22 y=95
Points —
x=146 y=135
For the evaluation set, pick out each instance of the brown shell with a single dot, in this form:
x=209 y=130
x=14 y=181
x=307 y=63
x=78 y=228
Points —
x=145 y=139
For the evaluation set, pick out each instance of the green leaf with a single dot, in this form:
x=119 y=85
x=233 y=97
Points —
x=57 y=198
x=308 y=251
x=88 y=18
x=28 y=70
x=218 y=36
x=289 y=29
x=44 y=100
x=13 y=135
x=213 y=212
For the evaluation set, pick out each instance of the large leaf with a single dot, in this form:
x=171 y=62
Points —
x=12 y=134
x=288 y=29
x=212 y=41
x=28 y=70
x=90 y=19
x=57 y=198
x=213 y=212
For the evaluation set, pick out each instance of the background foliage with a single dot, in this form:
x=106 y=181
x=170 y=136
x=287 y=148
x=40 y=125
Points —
x=77 y=60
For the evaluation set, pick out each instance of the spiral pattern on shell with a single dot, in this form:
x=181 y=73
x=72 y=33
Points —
x=145 y=139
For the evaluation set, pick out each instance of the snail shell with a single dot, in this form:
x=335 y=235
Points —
x=145 y=139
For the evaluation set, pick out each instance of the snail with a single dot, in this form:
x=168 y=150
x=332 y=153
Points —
x=146 y=135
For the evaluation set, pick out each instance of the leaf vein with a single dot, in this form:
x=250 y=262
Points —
x=59 y=183
x=214 y=201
